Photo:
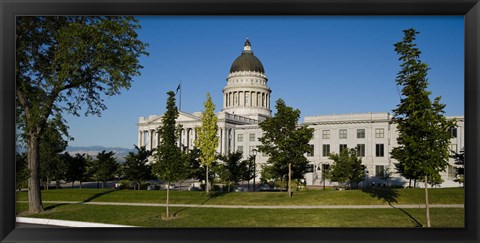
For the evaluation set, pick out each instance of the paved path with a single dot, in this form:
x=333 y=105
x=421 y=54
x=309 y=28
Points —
x=259 y=207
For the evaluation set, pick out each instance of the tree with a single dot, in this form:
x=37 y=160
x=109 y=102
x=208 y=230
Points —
x=285 y=142
x=460 y=161
x=169 y=165
x=347 y=167
x=52 y=143
x=233 y=169
x=21 y=173
x=424 y=132
x=136 y=167
x=64 y=64
x=105 y=167
x=207 y=139
x=76 y=168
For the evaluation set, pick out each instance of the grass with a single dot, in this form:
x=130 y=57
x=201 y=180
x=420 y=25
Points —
x=378 y=196
x=212 y=217
x=220 y=217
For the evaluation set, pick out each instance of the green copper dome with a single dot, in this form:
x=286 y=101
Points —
x=247 y=61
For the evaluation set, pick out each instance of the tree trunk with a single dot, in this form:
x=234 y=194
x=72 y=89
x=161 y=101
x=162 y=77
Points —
x=34 y=194
x=427 y=209
x=409 y=183
x=168 y=193
x=206 y=180
x=80 y=184
x=289 y=179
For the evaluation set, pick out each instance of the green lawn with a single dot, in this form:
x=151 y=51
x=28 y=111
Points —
x=211 y=217
x=218 y=217
x=310 y=197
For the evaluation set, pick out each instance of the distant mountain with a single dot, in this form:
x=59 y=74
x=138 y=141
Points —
x=120 y=153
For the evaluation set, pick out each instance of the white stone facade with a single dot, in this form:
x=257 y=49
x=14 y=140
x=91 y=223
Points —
x=247 y=102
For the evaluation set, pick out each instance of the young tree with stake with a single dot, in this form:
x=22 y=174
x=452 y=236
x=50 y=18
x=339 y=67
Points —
x=424 y=132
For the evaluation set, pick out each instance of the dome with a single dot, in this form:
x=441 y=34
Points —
x=247 y=61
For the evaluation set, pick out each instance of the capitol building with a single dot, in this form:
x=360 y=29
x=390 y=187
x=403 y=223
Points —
x=246 y=103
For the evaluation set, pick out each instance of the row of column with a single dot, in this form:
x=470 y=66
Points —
x=246 y=99
x=226 y=137
x=151 y=138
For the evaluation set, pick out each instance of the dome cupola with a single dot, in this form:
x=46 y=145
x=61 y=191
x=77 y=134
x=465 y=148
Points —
x=247 y=61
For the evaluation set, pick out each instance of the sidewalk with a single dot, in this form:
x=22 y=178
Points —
x=67 y=223
x=261 y=207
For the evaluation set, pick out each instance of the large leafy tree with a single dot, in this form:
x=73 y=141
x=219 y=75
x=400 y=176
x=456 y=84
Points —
x=169 y=164
x=136 y=167
x=286 y=142
x=64 y=64
x=207 y=139
x=347 y=167
x=424 y=132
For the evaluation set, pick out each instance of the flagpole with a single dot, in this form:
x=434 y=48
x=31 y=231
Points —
x=180 y=105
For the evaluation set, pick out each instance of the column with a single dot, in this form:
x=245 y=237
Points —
x=139 y=138
x=147 y=134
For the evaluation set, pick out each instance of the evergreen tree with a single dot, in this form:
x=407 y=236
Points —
x=105 y=167
x=76 y=168
x=21 y=167
x=424 y=132
x=285 y=142
x=347 y=167
x=460 y=162
x=65 y=64
x=169 y=165
x=52 y=143
x=233 y=169
x=207 y=139
x=136 y=167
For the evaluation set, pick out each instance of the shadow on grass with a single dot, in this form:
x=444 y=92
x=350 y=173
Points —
x=390 y=195
x=416 y=223
x=387 y=194
x=51 y=207
x=211 y=195
x=97 y=195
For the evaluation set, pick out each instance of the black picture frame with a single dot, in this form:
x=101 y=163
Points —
x=11 y=8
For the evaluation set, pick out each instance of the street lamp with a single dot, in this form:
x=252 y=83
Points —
x=254 y=153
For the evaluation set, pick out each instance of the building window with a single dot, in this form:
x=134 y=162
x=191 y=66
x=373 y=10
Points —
x=252 y=137
x=311 y=152
x=240 y=149
x=342 y=147
x=361 y=150
x=342 y=133
x=326 y=134
x=379 y=133
x=453 y=132
x=360 y=133
x=379 y=170
x=326 y=150
x=379 y=150
x=240 y=137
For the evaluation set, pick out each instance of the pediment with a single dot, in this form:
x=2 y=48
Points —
x=182 y=117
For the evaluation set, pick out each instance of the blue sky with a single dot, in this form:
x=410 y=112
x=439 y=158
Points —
x=318 y=64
